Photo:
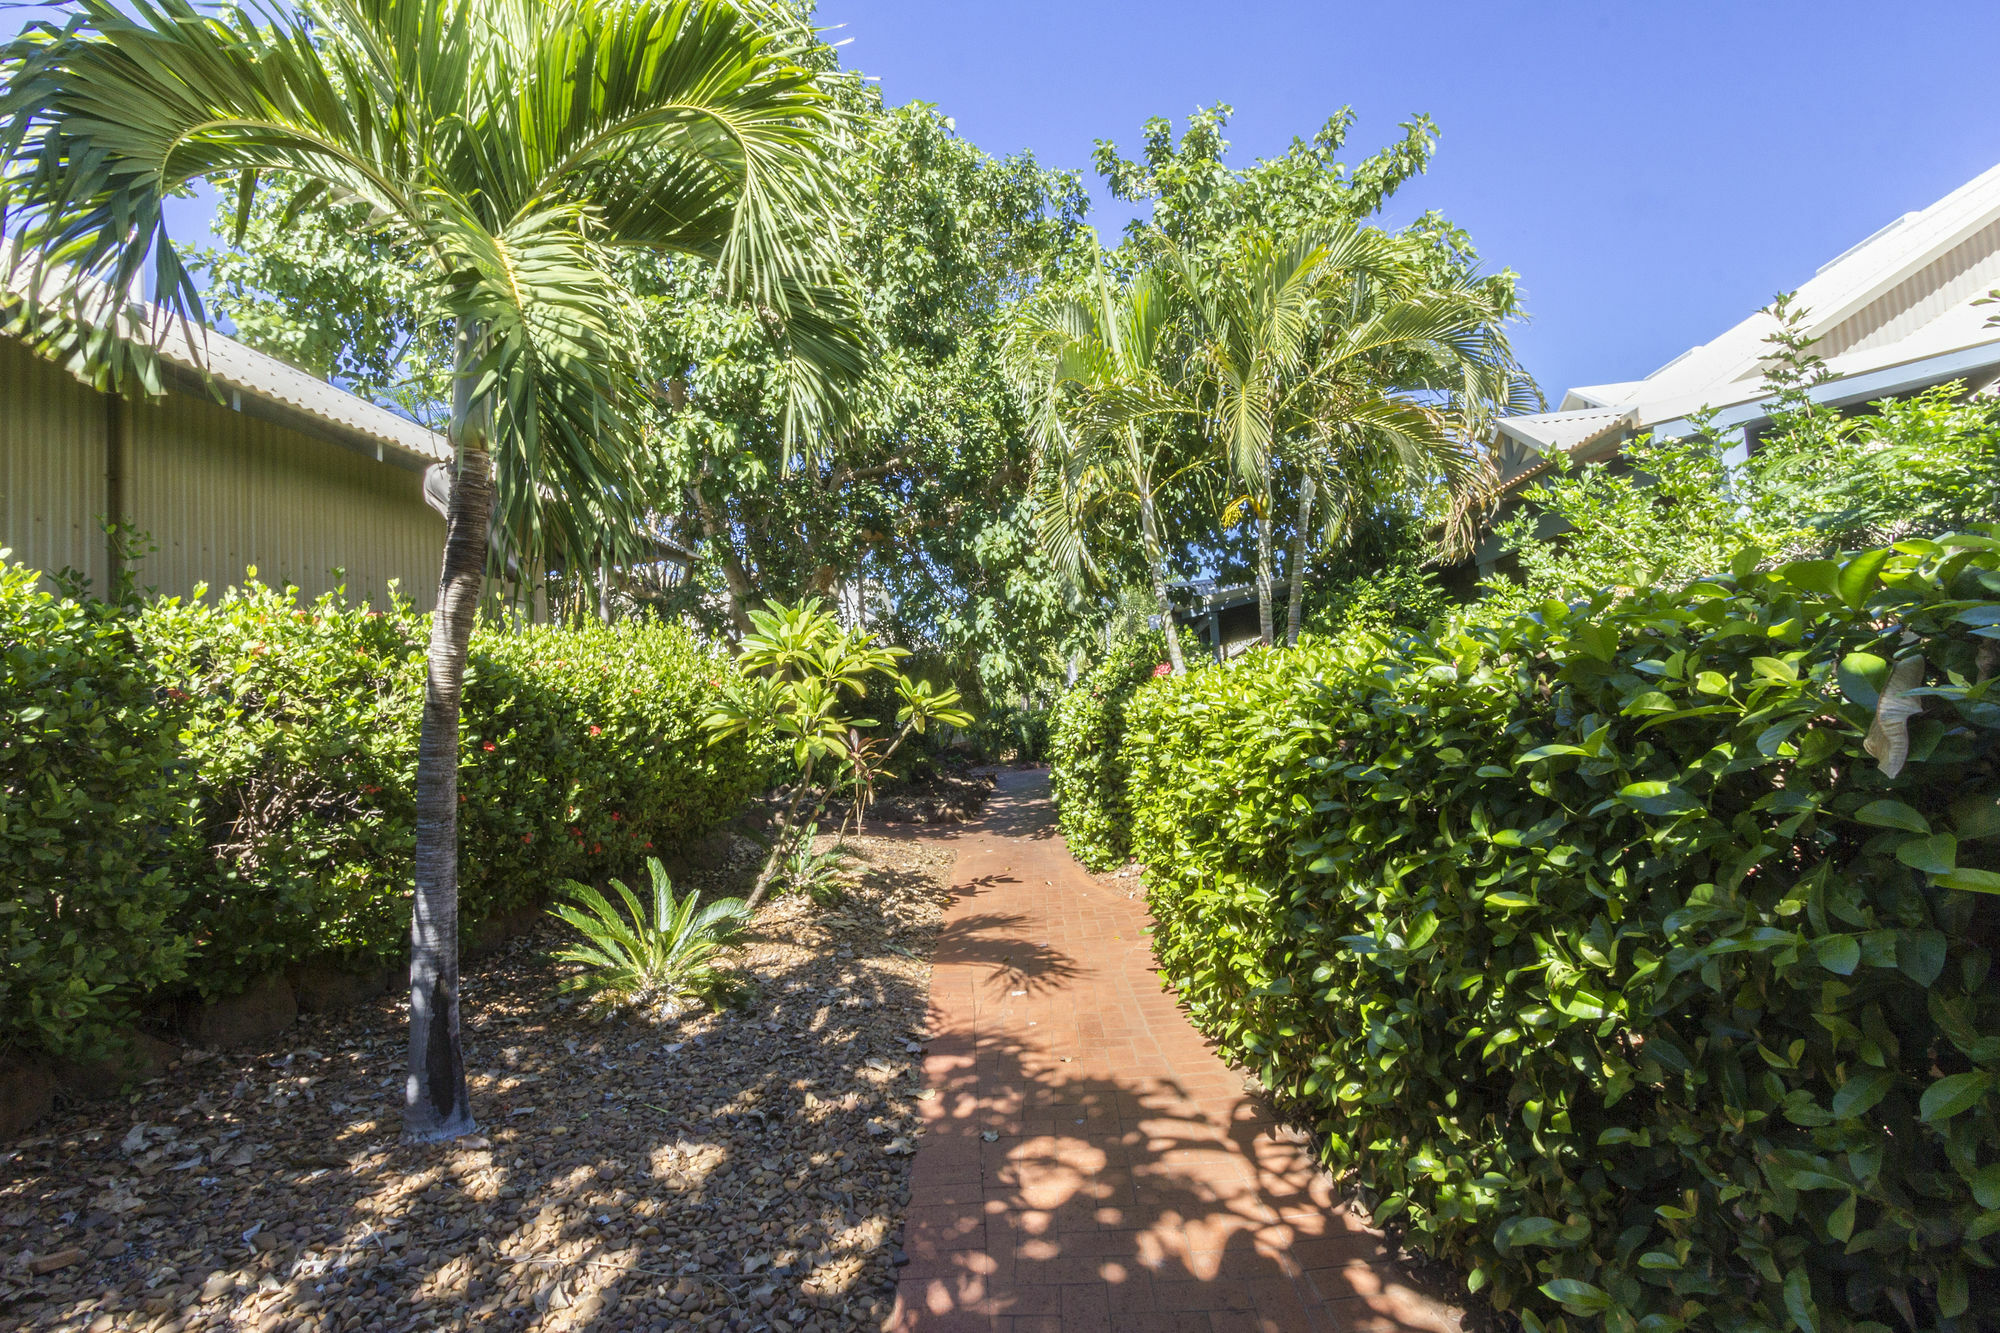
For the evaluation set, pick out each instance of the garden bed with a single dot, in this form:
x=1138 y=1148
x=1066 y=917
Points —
x=737 y=1171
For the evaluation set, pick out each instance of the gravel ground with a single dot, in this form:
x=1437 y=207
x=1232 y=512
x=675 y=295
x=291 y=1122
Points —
x=742 y=1171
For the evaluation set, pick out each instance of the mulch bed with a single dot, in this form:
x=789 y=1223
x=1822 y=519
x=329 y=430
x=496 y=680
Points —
x=947 y=796
x=741 y=1171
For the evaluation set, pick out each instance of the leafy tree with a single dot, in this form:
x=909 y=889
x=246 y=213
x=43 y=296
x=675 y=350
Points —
x=513 y=148
x=1381 y=422
x=1088 y=366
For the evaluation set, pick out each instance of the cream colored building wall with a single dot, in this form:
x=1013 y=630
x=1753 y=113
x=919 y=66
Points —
x=214 y=489
x=53 y=433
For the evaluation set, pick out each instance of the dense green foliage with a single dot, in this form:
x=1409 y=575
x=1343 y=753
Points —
x=1086 y=733
x=233 y=782
x=1624 y=949
x=1672 y=510
x=89 y=815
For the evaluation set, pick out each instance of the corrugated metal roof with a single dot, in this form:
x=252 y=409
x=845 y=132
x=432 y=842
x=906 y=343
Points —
x=250 y=371
x=207 y=353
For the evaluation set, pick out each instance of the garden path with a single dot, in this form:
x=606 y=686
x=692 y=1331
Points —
x=1088 y=1161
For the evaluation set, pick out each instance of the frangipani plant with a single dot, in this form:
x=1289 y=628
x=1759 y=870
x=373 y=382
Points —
x=798 y=671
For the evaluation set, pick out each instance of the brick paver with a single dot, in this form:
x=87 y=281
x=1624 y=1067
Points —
x=1088 y=1162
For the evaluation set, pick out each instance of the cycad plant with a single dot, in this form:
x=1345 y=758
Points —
x=637 y=961
x=815 y=874
x=514 y=148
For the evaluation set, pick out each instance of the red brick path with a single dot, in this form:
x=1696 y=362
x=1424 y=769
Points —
x=1088 y=1161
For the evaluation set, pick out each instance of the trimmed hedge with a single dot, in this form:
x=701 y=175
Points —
x=1603 y=950
x=273 y=804
x=1087 y=773
x=92 y=811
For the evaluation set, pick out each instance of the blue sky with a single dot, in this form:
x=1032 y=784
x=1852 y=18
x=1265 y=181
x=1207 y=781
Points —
x=1654 y=171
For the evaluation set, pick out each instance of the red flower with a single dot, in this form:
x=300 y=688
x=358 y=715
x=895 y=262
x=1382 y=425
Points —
x=649 y=846
x=615 y=816
x=1163 y=669
x=596 y=847
x=489 y=747
x=370 y=791
x=527 y=837
x=597 y=731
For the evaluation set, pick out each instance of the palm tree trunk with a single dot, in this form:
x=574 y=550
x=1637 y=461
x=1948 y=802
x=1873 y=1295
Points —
x=1295 y=606
x=1156 y=565
x=1264 y=579
x=436 y=1105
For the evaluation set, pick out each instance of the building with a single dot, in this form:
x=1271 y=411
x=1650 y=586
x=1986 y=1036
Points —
x=245 y=461
x=1899 y=313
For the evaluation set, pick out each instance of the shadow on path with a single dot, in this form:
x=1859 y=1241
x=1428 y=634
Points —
x=1088 y=1161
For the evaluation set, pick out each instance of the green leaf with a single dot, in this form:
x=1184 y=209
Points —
x=1820 y=576
x=1953 y=1095
x=1799 y=1302
x=1892 y=814
x=1862 y=1091
x=1857 y=576
x=1861 y=676
x=1658 y=798
x=1978 y=881
x=1986 y=1186
x=1935 y=855
x=1576 y=1296
x=1838 y=953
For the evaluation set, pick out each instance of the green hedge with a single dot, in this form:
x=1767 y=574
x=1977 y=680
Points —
x=92 y=812
x=1087 y=772
x=1604 y=951
x=269 y=795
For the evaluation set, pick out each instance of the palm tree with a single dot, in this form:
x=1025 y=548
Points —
x=517 y=146
x=1404 y=374
x=1086 y=368
x=1257 y=304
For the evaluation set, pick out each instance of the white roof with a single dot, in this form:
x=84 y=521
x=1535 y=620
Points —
x=1906 y=294
x=202 y=351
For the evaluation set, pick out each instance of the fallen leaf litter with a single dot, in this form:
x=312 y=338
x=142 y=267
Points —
x=713 y=1173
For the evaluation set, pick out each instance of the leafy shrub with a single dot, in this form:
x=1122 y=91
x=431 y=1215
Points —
x=633 y=960
x=1087 y=776
x=1010 y=733
x=1624 y=949
x=815 y=874
x=581 y=752
x=92 y=810
x=232 y=785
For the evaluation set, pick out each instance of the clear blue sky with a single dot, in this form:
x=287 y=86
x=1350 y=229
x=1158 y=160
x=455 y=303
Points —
x=1654 y=171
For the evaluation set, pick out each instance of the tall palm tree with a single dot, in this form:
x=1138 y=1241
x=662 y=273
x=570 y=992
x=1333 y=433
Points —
x=517 y=146
x=1086 y=367
x=1404 y=373
x=1257 y=303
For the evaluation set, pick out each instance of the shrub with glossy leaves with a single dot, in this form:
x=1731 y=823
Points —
x=1087 y=770
x=1636 y=954
x=195 y=793
x=580 y=754
x=92 y=811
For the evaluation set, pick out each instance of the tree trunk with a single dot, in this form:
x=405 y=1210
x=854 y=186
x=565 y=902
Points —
x=734 y=577
x=435 y=1102
x=1264 y=580
x=1295 y=607
x=1156 y=566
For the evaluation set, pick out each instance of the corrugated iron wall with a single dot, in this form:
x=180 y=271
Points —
x=213 y=489
x=53 y=433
